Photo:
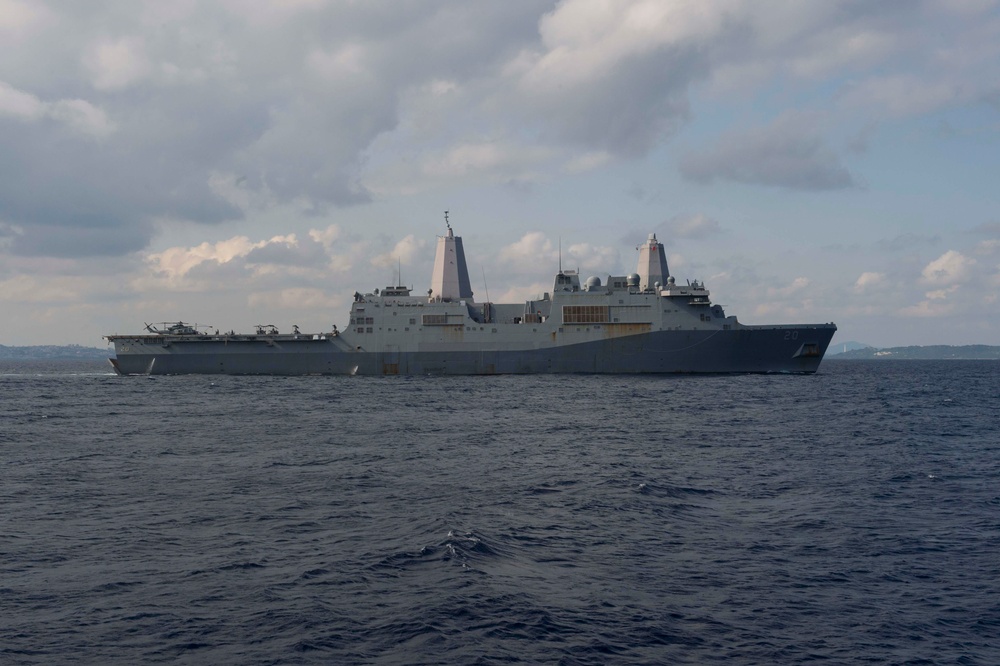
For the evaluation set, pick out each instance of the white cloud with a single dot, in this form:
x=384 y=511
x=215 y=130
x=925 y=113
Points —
x=18 y=19
x=176 y=262
x=588 y=40
x=611 y=77
x=402 y=252
x=83 y=116
x=80 y=115
x=532 y=249
x=950 y=268
x=118 y=64
x=591 y=258
x=241 y=263
x=940 y=294
x=326 y=237
x=988 y=247
x=534 y=252
x=19 y=104
x=8 y=232
x=958 y=286
x=797 y=285
x=869 y=280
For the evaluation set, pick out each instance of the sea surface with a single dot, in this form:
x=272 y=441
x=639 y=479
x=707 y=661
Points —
x=849 y=517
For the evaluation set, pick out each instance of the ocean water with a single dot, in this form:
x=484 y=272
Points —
x=852 y=516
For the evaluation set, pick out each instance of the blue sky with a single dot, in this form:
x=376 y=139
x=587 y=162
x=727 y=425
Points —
x=240 y=162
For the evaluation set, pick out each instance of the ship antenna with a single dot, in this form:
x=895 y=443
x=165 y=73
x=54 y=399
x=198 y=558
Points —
x=485 y=286
x=446 y=223
x=560 y=255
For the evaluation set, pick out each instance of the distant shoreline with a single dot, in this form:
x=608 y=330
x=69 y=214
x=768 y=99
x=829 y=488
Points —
x=53 y=352
x=926 y=353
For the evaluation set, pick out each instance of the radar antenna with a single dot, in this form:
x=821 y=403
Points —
x=446 y=223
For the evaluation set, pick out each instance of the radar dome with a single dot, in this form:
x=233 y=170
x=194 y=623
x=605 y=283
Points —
x=633 y=280
x=593 y=282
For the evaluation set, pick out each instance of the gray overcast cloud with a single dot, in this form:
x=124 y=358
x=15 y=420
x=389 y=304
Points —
x=789 y=153
x=117 y=114
x=114 y=114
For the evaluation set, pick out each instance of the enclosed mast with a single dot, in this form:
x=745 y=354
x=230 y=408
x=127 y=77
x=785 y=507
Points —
x=450 y=280
x=652 y=266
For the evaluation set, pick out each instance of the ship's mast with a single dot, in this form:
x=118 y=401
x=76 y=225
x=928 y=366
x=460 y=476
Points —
x=652 y=267
x=450 y=279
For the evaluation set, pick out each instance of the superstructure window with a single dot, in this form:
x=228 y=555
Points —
x=585 y=314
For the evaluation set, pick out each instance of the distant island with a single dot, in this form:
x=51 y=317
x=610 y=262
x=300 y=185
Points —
x=928 y=353
x=52 y=352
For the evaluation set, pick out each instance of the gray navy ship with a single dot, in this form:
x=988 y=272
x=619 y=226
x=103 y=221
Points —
x=640 y=323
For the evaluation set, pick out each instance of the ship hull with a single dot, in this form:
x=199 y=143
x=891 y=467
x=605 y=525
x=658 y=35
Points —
x=747 y=349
